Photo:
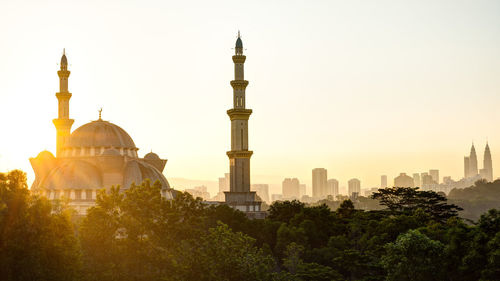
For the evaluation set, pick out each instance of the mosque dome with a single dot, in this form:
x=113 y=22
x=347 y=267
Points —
x=152 y=156
x=74 y=174
x=111 y=152
x=45 y=155
x=100 y=134
x=138 y=171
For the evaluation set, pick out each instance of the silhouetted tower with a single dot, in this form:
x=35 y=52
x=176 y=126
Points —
x=487 y=164
x=239 y=195
x=472 y=162
x=63 y=123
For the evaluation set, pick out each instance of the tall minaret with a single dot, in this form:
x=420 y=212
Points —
x=239 y=195
x=239 y=155
x=487 y=164
x=63 y=123
x=472 y=162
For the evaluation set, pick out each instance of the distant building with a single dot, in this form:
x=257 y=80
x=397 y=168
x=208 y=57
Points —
x=383 y=181
x=353 y=186
x=416 y=179
x=333 y=188
x=303 y=190
x=319 y=183
x=222 y=184
x=199 y=191
x=276 y=197
x=403 y=180
x=368 y=192
x=262 y=191
x=435 y=175
x=291 y=188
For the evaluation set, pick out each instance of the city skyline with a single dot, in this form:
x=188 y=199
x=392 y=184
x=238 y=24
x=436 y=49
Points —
x=347 y=145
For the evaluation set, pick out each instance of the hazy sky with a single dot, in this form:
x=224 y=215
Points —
x=362 y=88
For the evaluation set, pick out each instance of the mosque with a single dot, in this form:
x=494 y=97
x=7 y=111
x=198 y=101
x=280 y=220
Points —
x=100 y=154
x=97 y=155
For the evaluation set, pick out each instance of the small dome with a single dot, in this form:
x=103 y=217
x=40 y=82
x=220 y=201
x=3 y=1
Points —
x=111 y=152
x=138 y=171
x=101 y=134
x=45 y=155
x=239 y=43
x=152 y=156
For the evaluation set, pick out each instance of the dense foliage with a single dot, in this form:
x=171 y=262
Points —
x=138 y=235
x=477 y=199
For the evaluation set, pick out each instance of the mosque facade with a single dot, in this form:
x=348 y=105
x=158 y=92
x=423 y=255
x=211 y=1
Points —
x=96 y=155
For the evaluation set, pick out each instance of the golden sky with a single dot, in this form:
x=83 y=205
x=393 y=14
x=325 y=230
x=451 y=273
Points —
x=362 y=88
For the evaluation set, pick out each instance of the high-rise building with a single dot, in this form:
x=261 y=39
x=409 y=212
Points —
x=353 y=187
x=435 y=175
x=291 y=188
x=383 y=181
x=239 y=195
x=333 y=188
x=319 y=183
x=426 y=179
x=416 y=179
x=262 y=191
x=276 y=197
x=487 y=164
x=403 y=180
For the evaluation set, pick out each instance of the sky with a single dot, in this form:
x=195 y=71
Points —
x=361 y=88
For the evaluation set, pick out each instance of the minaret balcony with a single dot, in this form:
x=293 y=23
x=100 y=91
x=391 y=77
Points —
x=239 y=114
x=239 y=58
x=239 y=153
x=239 y=84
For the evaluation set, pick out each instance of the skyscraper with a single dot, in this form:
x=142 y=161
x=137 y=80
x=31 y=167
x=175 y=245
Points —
x=333 y=188
x=435 y=175
x=239 y=195
x=222 y=184
x=353 y=186
x=291 y=188
x=383 y=181
x=487 y=164
x=416 y=179
x=319 y=183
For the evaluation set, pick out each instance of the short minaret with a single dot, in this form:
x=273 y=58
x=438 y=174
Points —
x=63 y=123
x=240 y=196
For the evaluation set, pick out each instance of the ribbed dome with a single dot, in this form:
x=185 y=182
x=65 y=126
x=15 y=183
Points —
x=73 y=175
x=100 y=134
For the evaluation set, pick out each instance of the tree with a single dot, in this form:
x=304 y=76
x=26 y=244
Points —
x=37 y=242
x=284 y=211
x=409 y=199
x=413 y=256
x=223 y=255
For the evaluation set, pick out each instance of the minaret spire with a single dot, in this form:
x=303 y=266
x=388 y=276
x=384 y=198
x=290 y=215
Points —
x=63 y=123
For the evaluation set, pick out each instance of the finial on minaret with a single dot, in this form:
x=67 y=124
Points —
x=238 y=33
x=100 y=112
x=64 y=51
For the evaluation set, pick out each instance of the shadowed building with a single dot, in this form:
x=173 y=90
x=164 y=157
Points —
x=403 y=180
x=97 y=155
x=383 y=181
x=333 y=188
x=487 y=171
x=239 y=195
